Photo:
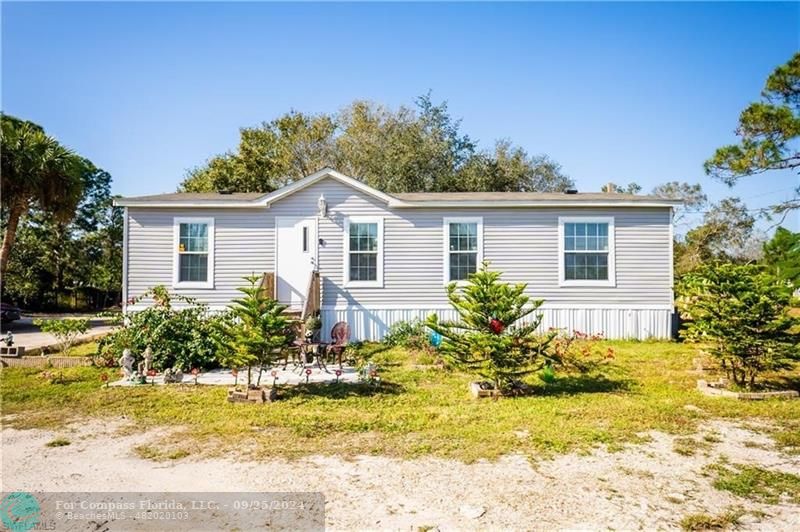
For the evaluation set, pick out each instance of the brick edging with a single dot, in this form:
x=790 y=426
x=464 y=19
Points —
x=717 y=390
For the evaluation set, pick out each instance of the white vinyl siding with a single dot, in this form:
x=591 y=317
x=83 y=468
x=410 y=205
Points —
x=523 y=243
x=193 y=252
x=243 y=245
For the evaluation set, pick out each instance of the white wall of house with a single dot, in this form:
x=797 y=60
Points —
x=523 y=243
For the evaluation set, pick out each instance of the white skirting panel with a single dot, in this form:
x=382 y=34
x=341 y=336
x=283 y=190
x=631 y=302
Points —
x=613 y=323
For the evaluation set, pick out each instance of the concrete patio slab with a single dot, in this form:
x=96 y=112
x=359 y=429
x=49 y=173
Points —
x=290 y=376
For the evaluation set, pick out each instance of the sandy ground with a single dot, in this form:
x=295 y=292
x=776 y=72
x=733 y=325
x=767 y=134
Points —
x=645 y=486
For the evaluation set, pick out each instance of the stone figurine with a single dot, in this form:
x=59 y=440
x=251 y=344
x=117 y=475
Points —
x=173 y=375
x=126 y=362
x=147 y=363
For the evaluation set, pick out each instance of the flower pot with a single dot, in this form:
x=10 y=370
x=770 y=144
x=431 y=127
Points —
x=479 y=390
x=254 y=394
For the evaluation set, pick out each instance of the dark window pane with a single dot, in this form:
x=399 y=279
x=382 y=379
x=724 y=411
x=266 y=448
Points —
x=462 y=265
x=363 y=266
x=194 y=237
x=364 y=237
x=586 y=266
x=193 y=268
x=585 y=237
x=463 y=237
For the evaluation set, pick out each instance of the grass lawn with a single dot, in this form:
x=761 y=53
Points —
x=415 y=412
x=81 y=350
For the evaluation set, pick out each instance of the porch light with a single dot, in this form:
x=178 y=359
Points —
x=322 y=205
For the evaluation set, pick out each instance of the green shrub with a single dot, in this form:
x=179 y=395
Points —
x=178 y=337
x=412 y=334
x=491 y=339
x=255 y=331
x=742 y=314
x=65 y=330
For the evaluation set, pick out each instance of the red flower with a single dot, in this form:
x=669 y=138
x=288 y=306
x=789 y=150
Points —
x=496 y=325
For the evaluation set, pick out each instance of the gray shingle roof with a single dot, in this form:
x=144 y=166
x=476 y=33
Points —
x=415 y=197
x=521 y=196
x=199 y=196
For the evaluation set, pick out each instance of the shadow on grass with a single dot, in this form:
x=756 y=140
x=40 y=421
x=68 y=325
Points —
x=578 y=384
x=341 y=390
x=782 y=382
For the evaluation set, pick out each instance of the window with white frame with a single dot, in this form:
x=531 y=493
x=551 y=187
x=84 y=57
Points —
x=463 y=247
x=194 y=253
x=364 y=251
x=586 y=251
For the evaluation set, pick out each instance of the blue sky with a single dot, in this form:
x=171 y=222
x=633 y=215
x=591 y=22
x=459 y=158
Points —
x=614 y=92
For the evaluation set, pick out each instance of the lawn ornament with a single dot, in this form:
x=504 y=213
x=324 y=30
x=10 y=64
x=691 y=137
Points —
x=126 y=363
x=435 y=339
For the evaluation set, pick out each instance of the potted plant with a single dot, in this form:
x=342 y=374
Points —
x=312 y=327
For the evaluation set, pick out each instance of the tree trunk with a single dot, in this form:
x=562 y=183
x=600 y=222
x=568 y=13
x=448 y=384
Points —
x=8 y=237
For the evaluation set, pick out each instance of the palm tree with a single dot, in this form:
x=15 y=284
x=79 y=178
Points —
x=36 y=169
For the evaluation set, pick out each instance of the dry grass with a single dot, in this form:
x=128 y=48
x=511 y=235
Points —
x=414 y=412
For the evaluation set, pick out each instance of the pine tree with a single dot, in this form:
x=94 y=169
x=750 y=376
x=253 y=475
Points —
x=492 y=338
x=256 y=332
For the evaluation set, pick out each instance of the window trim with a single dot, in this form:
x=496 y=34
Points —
x=612 y=274
x=446 y=221
x=378 y=283
x=176 y=238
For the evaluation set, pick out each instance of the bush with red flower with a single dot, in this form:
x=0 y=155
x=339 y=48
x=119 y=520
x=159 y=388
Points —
x=497 y=335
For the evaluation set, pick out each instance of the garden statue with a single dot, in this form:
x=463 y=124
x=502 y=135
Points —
x=9 y=339
x=172 y=375
x=147 y=363
x=126 y=362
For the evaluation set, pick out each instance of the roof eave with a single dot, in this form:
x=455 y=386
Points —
x=532 y=203
x=123 y=202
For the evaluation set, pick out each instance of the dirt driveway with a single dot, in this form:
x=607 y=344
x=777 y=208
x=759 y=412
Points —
x=646 y=486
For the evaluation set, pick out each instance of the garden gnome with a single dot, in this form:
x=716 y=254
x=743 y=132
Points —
x=147 y=363
x=126 y=362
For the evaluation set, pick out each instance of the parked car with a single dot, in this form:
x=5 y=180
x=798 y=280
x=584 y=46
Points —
x=9 y=313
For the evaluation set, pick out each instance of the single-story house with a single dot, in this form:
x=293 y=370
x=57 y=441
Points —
x=602 y=262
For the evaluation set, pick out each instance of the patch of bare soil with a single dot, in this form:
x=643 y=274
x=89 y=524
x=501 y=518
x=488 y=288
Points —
x=650 y=486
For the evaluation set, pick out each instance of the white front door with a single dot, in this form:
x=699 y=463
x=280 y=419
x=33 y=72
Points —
x=296 y=255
